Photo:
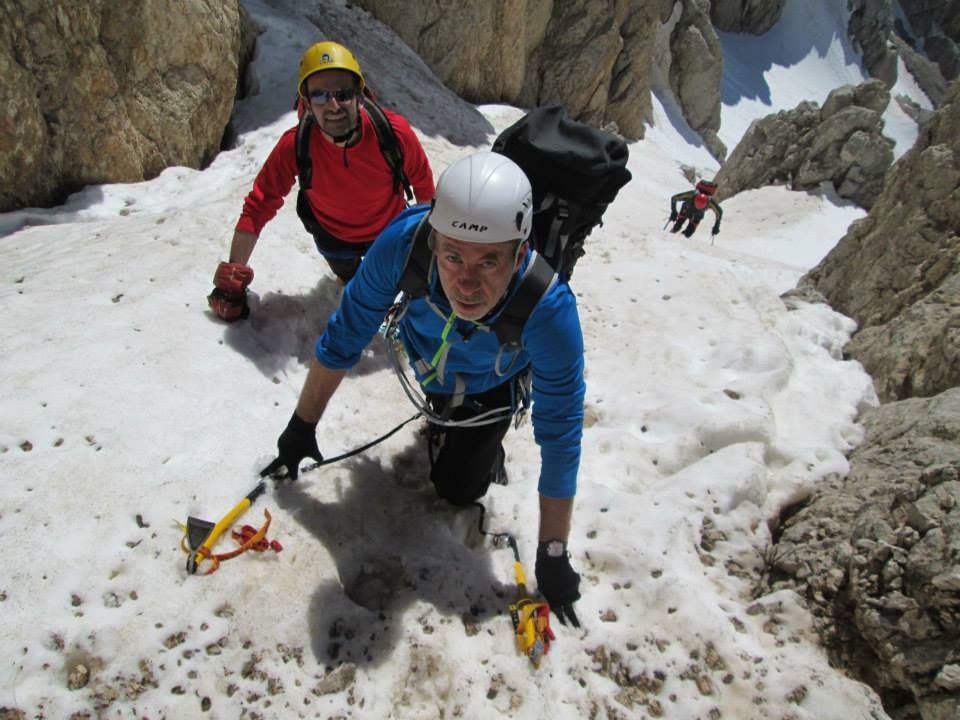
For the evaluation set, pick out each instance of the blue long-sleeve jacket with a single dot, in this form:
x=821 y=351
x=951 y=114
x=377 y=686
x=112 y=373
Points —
x=552 y=348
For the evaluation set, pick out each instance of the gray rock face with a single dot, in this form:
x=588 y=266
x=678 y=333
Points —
x=870 y=27
x=696 y=70
x=926 y=73
x=877 y=555
x=100 y=92
x=749 y=16
x=598 y=59
x=931 y=25
x=936 y=23
x=897 y=271
x=841 y=143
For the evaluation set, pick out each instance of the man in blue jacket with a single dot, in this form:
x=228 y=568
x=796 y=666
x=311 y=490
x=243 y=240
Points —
x=481 y=220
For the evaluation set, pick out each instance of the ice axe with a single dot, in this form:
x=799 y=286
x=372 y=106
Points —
x=201 y=535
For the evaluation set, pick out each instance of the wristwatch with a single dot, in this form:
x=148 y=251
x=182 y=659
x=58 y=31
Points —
x=554 y=548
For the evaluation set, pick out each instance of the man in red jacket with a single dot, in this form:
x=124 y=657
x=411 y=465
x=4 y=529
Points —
x=351 y=192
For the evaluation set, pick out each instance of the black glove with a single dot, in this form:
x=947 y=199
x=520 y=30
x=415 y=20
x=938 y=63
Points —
x=296 y=442
x=558 y=582
x=716 y=229
x=673 y=216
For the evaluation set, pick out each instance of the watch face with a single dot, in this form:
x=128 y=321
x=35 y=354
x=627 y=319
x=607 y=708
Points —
x=555 y=548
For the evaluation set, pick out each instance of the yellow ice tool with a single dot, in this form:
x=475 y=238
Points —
x=531 y=619
x=202 y=534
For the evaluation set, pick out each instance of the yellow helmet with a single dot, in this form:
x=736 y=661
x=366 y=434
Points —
x=327 y=56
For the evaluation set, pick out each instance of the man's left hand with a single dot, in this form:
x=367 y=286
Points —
x=716 y=229
x=558 y=582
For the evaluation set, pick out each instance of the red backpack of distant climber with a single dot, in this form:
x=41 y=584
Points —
x=707 y=187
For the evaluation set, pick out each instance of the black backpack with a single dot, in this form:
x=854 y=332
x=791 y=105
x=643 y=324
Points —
x=386 y=137
x=576 y=171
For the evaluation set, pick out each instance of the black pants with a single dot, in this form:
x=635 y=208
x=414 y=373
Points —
x=469 y=457
x=342 y=257
x=687 y=210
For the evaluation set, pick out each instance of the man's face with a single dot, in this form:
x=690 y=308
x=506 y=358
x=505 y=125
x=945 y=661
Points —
x=335 y=117
x=474 y=276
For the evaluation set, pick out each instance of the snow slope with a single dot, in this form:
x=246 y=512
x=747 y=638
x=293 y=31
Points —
x=127 y=408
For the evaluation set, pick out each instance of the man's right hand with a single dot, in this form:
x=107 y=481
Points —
x=229 y=297
x=558 y=582
x=673 y=216
x=296 y=442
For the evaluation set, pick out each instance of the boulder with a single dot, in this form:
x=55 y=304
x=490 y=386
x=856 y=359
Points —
x=841 y=143
x=897 y=271
x=875 y=554
x=103 y=92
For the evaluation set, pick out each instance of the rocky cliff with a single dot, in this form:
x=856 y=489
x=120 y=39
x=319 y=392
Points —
x=897 y=271
x=600 y=60
x=100 y=91
x=594 y=57
x=877 y=556
x=154 y=75
x=750 y=16
x=925 y=37
x=877 y=553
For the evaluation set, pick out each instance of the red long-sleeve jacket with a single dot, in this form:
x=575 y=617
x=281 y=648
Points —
x=353 y=194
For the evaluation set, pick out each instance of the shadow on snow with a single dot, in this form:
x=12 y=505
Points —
x=394 y=543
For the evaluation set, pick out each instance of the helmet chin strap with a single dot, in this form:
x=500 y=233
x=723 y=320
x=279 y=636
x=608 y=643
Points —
x=344 y=137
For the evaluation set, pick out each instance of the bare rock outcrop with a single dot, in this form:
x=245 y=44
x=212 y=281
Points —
x=883 y=37
x=599 y=60
x=695 y=71
x=877 y=553
x=936 y=25
x=101 y=92
x=897 y=271
x=877 y=556
x=841 y=143
x=749 y=16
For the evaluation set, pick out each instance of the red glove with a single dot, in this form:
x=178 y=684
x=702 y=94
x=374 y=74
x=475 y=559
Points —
x=229 y=297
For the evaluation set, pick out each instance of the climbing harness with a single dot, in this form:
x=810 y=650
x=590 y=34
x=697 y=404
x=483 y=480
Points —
x=390 y=330
x=531 y=618
x=201 y=535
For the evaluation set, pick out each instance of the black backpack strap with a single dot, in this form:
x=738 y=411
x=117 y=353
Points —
x=555 y=242
x=304 y=163
x=389 y=146
x=534 y=284
x=416 y=269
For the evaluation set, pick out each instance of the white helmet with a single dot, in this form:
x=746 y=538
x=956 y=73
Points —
x=483 y=198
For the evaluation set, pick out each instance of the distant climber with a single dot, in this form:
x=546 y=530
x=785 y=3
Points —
x=694 y=203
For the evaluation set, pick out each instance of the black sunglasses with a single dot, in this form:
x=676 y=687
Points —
x=322 y=97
